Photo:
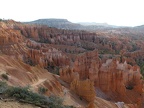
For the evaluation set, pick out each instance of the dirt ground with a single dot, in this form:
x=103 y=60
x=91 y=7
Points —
x=14 y=104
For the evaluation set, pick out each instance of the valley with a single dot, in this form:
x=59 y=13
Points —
x=87 y=66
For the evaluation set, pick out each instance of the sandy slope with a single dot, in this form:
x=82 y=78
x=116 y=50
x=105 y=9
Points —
x=14 y=104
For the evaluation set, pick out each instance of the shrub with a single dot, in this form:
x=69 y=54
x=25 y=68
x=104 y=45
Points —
x=4 y=76
x=3 y=87
x=53 y=69
x=42 y=90
x=23 y=93
x=55 y=102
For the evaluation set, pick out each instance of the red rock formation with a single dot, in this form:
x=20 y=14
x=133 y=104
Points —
x=43 y=55
x=86 y=64
x=120 y=79
x=67 y=74
x=52 y=86
x=21 y=74
x=85 y=89
x=14 y=44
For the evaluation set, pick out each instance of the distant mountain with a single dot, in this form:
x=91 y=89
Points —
x=98 y=24
x=92 y=23
x=65 y=24
x=139 y=27
x=58 y=23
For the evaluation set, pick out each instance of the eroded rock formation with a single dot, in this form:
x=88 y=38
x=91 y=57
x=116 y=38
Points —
x=112 y=77
x=89 y=76
x=68 y=75
x=85 y=89
x=21 y=74
x=87 y=65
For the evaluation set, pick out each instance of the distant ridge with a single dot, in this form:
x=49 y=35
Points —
x=98 y=24
x=58 y=23
x=65 y=24
x=141 y=26
x=92 y=23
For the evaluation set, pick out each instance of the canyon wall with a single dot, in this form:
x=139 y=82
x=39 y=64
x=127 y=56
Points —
x=112 y=78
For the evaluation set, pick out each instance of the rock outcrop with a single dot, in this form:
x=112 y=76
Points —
x=87 y=65
x=85 y=89
x=16 y=44
x=21 y=74
x=112 y=77
x=68 y=75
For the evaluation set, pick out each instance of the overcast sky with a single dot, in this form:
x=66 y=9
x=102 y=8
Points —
x=115 y=12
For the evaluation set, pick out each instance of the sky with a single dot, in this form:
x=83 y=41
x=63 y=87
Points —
x=114 y=12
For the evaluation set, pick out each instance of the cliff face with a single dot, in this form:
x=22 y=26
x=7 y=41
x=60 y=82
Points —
x=14 y=44
x=44 y=55
x=113 y=70
x=85 y=89
x=21 y=74
x=86 y=64
x=110 y=78
x=9 y=37
x=68 y=75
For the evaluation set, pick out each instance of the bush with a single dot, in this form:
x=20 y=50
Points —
x=55 y=102
x=4 y=76
x=23 y=93
x=3 y=87
x=42 y=90
x=53 y=69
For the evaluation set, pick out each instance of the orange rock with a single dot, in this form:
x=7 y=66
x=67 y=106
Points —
x=85 y=89
x=87 y=65
x=67 y=74
x=91 y=105
x=112 y=76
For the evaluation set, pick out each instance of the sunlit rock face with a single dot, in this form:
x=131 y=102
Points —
x=87 y=65
x=112 y=77
x=16 y=41
x=85 y=89
x=21 y=74
x=45 y=56
x=68 y=75
x=118 y=74
x=24 y=59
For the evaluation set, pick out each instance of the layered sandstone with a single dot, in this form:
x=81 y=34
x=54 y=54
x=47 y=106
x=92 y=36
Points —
x=68 y=75
x=112 y=77
x=85 y=89
x=17 y=45
x=86 y=64
x=44 y=55
x=21 y=74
